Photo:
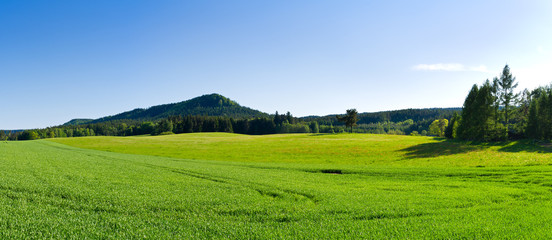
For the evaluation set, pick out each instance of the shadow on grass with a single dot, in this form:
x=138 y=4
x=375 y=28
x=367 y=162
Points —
x=451 y=147
x=442 y=148
x=527 y=146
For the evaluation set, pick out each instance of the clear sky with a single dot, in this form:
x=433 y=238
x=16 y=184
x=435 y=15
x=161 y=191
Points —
x=61 y=60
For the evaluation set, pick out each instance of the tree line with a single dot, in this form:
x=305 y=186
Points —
x=494 y=111
x=272 y=124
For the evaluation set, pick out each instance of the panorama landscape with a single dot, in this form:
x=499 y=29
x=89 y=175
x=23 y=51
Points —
x=275 y=120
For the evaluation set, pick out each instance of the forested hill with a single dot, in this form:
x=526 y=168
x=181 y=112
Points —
x=206 y=105
x=79 y=121
x=416 y=115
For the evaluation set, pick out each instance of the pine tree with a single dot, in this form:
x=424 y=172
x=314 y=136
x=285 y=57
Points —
x=479 y=121
x=466 y=129
x=532 y=130
x=349 y=119
x=506 y=85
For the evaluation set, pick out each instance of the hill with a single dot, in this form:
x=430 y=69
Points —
x=218 y=105
x=206 y=105
x=79 y=121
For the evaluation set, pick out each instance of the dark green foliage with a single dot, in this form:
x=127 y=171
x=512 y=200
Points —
x=466 y=129
x=505 y=92
x=533 y=125
x=3 y=135
x=28 y=135
x=495 y=112
x=539 y=124
x=479 y=121
x=451 y=131
x=416 y=115
x=78 y=121
x=314 y=127
x=210 y=119
x=144 y=128
x=206 y=105
x=164 y=126
x=350 y=119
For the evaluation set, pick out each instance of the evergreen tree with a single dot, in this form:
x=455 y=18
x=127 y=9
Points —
x=349 y=119
x=532 y=130
x=289 y=118
x=467 y=130
x=506 y=85
x=479 y=116
x=278 y=119
x=314 y=127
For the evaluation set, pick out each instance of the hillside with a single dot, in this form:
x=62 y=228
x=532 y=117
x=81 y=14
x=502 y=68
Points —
x=78 y=121
x=206 y=105
x=218 y=105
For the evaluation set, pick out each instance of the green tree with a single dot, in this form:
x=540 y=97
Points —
x=3 y=135
x=164 y=126
x=539 y=124
x=28 y=135
x=506 y=96
x=467 y=130
x=452 y=128
x=532 y=130
x=350 y=119
x=479 y=121
x=437 y=127
x=520 y=116
x=314 y=127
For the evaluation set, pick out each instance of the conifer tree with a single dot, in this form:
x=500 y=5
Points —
x=506 y=85
x=452 y=128
x=479 y=116
x=349 y=119
x=532 y=130
x=466 y=129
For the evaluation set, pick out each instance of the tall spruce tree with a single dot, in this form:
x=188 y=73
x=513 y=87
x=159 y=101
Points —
x=479 y=116
x=466 y=130
x=506 y=85
x=532 y=130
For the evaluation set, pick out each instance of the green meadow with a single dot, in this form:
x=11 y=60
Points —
x=294 y=186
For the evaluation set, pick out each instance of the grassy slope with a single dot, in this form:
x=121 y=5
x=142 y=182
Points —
x=53 y=190
x=351 y=149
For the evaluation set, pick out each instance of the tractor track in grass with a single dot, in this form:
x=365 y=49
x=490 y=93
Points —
x=263 y=189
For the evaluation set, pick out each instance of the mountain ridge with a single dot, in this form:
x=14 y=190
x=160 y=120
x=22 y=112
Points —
x=217 y=105
x=206 y=105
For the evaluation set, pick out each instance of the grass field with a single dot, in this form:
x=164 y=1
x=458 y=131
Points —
x=331 y=149
x=274 y=187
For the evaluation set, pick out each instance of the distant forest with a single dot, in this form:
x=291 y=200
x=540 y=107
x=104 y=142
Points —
x=216 y=113
x=380 y=123
x=492 y=111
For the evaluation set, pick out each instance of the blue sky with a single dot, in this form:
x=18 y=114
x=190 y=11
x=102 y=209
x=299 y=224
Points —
x=61 y=60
